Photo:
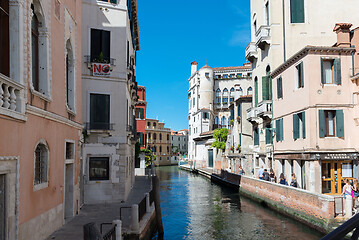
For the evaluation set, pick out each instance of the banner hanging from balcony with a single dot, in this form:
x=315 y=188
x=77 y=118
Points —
x=101 y=69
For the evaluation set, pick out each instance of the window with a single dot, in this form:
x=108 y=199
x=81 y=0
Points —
x=225 y=75
x=193 y=101
x=41 y=163
x=70 y=77
x=99 y=168
x=224 y=121
x=205 y=115
x=218 y=96
x=160 y=149
x=168 y=137
x=70 y=150
x=207 y=75
x=225 y=96
x=249 y=91
x=231 y=76
x=160 y=136
x=255 y=26
x=279 y=88
x=299 y=125
x=239 y=75
x=279 y=130
x=168 y=149
x=239 y=114
x=154 y=136
x=4 y=38
x=267 y=13
x=299 y=76
x=331 y=71
x=154 y=124
x=231 y=94
x=99 y=111
x=256 y=136
x=140 y=140
x=297 y=11
x=148 y=124
x=100 y=46
x=331 y=123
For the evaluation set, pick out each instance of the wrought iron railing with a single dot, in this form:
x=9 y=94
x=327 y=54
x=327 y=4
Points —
x=111 y=234
x=340 y=232
x=110 y=61
x=142 y=209
x=99 y=126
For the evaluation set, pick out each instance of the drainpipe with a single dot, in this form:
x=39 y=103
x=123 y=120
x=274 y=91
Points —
x=353 y=67
x=284 y=55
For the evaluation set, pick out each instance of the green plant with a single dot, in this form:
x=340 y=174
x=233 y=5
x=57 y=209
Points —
x=232 y=148
x=220 y=134
x=148 y=156
x=100 y=59
x=238 y=119
x=231 y=122
x=238 y=147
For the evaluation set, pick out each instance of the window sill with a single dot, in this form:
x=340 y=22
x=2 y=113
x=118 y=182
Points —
x=70 y=111
x=40 y=186
x=98 y=181
x=40 y=95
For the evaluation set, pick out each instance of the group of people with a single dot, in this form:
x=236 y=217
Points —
x=351 y=191
x=270 y=176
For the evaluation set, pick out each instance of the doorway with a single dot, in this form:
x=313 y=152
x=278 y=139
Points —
x=210 y=158
x=333 y=174
x=69 y=191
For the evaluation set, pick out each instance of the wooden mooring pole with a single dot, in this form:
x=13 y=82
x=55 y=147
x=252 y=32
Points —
x=156 y=189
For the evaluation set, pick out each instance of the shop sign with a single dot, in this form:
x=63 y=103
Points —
x=337 y=156
x=101 y=69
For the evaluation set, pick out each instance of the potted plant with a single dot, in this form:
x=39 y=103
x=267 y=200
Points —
x=232 y=148
x=238 y=148
x=231 y=122
x=238 y=119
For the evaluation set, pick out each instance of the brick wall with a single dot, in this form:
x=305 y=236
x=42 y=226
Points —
x=311 y=208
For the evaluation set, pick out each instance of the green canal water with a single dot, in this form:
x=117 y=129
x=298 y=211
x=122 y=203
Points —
x=194 y=208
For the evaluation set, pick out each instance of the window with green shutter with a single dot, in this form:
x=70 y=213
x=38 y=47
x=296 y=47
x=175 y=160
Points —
x=279 y=130
x=279 y=88
x=339 y=123
x=239 y=110
x=300 y=75
x=295 y=126
x=331 y=123
x=265 y=88
x=322 y=124
x=256 y=91
x=256 y=136
x=297 y=11
x=299 y=125
x=337 y=72
x=269 y=136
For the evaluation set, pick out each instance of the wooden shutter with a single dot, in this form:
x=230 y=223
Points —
x=339 y=123
x=322 y=70
x=303 y=126
x=239 y=110
x=297 y=11
x=265 y=88
x=95 y=44
x=279 y=88
x=337 y=72
x=322 y=124
x=256 y=91
x=256 y=136
x=295 y=126
x=281 y=130
x=301 y=74
x=277 y=127
x=141 y=113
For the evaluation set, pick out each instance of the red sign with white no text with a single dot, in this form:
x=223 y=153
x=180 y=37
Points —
x=101 y=69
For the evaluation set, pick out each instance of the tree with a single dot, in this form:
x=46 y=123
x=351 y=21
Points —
x=221 y=137
x=148 y=156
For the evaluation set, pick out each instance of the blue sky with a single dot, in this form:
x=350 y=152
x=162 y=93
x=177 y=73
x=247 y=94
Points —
x=175 y=33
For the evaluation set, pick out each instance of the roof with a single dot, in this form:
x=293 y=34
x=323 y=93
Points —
x=207 y=133
x=205 y=66
x=245 y=66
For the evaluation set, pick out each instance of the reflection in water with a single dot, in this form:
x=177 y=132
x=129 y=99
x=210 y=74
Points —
x=194 y=208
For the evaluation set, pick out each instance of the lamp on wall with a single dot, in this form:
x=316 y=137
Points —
x=317 y=156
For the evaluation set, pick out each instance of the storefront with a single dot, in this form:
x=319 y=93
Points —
x=335 y=168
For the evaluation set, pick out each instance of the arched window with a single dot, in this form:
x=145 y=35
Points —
x=154 y=149
x=160 y=149
x=225 y=96
x=216 y=120
x=249 y=91
x=168 y=137
x=168 y=149
x=154 y=124
x=35 y=49
x=160 y=136
x=154 y=136
x=240 y=91
x=231 y=94
x=70 y=77
x=218 y=96
x=41 y=164
x=148 y=124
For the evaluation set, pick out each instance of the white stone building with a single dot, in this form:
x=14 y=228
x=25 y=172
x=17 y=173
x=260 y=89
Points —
x=110 y=41
x=211 y=90
x=279 y=29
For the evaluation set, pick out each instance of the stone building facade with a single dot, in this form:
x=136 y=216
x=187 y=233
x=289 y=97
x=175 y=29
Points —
x=109 y=98
x=40 y=116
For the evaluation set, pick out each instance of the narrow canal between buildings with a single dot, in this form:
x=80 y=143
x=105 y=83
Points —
x=195 y=208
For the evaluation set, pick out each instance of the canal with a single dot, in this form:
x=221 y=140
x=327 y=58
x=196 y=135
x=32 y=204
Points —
x=194 y=208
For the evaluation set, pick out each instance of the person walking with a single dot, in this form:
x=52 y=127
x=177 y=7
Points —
x=260 y=172
x=240 y=170
x=347 y=193
x=293 y=181
x=265 y=175
x=282 y=180
x=272 y=177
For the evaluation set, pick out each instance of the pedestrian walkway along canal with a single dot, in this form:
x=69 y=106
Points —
x=195 y=208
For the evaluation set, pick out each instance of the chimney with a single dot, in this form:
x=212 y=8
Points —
x=343 y=34
x=193 y=67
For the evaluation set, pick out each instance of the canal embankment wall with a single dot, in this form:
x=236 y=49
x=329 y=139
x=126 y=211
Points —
x=315 y=210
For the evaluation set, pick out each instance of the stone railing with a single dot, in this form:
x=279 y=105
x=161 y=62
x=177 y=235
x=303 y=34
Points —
x=265 y=108
x=251 y=51
x=11 y=98
x=263 y=36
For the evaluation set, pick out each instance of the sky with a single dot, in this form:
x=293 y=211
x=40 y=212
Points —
x=175 y=33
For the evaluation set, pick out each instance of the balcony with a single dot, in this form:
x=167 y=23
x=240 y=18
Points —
x=251 y=51
x=263 y=36
x=264 y=109
x=12 y=101
x=252 y=115
x=99 y=126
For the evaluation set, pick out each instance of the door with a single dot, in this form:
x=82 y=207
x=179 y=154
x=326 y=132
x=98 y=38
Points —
x=333 y=174
x=69 y=191
x=210 y=158
x=2 y=207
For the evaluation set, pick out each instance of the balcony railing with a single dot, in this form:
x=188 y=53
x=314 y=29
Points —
x=251 y=51
x=263 y=36
x=264 y=109
x=252 y=115
x=11 y=101
x=99 y=126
